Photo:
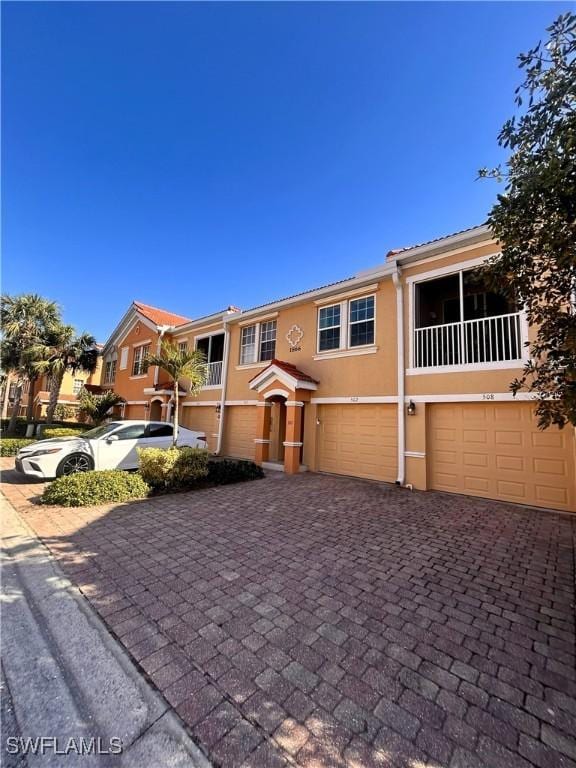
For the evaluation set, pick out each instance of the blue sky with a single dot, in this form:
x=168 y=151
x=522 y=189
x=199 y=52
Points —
x=194 y=155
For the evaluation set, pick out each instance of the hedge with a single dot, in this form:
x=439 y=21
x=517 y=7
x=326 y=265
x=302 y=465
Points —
x=87 y=488
x=173 y=468
x=20 y=429
x=51 y=431
x=9 y=446
x=224 y=471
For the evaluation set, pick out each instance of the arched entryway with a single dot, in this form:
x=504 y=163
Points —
x=283 y=391
x=156 y=410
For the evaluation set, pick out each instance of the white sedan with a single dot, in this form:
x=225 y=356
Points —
x=110 y=446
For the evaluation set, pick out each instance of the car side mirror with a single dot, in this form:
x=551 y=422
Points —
x=112 y=439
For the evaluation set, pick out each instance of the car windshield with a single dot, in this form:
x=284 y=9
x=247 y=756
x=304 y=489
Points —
x=103 y=429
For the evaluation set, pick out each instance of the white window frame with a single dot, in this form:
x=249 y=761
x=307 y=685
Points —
x=345 y=334
x=356 y=322
x=110 y=372
x=257 y=337
x=456 y=269
x=124 y=358
x=139 y=355
x=75 y=388
x=183 y=346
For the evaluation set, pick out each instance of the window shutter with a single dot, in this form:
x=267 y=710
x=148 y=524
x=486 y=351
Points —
x=123 y=358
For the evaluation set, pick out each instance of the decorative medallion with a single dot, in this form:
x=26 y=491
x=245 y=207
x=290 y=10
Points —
x=137 y=329
x=294 y=337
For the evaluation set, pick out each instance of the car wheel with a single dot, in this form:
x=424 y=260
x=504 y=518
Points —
x=76 y=462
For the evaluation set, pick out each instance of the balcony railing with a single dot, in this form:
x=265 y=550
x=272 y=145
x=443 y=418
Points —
x=214 y=374
x=488 y=340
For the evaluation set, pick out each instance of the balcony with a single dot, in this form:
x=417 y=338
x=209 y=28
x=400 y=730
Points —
x=487 y=340
x=458 y=321
x=214 y=378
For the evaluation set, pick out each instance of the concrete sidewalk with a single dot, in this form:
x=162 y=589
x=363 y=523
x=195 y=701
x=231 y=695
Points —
x=67 y=679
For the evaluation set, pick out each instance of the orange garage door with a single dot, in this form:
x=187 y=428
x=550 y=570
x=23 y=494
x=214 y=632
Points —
x=497 y=451
x=358 y=440
x=240 y=431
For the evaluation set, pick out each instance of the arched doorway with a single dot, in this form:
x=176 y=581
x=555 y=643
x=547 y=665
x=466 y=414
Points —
x=277 y=428
x=156 y=410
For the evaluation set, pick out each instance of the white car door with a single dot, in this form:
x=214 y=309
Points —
x=159 y=435
x=118 y=450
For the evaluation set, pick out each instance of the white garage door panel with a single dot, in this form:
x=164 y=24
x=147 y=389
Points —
x=498 y=452
x=358 y=440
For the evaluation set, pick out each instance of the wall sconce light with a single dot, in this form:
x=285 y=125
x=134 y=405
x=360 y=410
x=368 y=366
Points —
x=218 y=410
x=318 y=422
x=411 y=409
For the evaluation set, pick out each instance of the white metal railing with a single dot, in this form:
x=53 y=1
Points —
x=214 y=374
x=487 y=340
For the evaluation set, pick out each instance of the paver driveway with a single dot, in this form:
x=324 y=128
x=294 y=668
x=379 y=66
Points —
x=320 y=621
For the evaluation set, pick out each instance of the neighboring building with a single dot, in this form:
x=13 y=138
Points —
x=72 y=384
x=400 y=374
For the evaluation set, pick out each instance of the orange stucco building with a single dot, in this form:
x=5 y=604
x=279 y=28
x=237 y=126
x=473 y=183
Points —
x=400 y=374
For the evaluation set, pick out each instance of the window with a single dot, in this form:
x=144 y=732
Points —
x=77 y=386
x=110 y=372
x=258 y=342
x=347 y=325
x=362 y=321
x=133 y=432
x=139 y=366
x=268 y=340
x=329 y=328
x=123 y=358
x=183 y=347
x=160 y=430
x=248 y=345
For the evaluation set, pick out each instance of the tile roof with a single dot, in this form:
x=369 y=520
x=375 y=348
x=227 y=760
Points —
x=288 y=368
x=160 y=316
x=396 y=251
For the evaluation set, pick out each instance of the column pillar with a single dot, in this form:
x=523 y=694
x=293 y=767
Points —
x=293 y=441
x=262 y=439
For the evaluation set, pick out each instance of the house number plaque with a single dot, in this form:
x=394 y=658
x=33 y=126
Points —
x=294 y=337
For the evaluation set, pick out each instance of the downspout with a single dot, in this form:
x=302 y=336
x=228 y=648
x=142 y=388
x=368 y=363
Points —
x=396 y=277
x=224 y=385
x=161 y=331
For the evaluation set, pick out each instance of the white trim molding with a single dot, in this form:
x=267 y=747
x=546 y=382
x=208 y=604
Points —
x=212 y=403
x=341 y=296
x=248 y=366
x=415 y=454
x=241 y=402
x=136 y=402
x=474 y=397
x=261 y=319
x=261 y=441
x=294 y=404
x=371 y=349
x=502 y=365
x=264 y=405
x=275 y=373
x=353 y=400
x=287 y=444
x=277 y=393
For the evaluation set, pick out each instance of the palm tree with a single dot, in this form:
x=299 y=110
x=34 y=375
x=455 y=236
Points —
x=65 y=351
x=26 y=321
x=181 y=364
x=97 y=407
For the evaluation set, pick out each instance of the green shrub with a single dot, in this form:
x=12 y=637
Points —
x=174 y=468
x=86 y=488
x=20 y=430
x=51 y=431
x=9 y=446
x=63 y=412
x=224 y=471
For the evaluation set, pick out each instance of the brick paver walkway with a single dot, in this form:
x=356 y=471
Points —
x=327 y=622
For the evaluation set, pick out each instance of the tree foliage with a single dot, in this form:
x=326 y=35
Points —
x=97 y=407
x=63 y=350
x=535 y=220
x=26 y=323
x=179 y=364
